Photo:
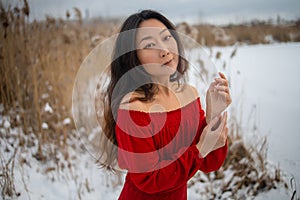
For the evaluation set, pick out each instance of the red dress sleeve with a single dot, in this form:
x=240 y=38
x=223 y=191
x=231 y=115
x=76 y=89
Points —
x=138 y=153
x=213 y=160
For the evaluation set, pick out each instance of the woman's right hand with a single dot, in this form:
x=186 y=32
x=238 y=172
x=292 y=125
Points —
x=214 y=135
x=218 y=97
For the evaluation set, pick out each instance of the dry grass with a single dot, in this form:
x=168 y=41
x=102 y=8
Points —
x=245 y=173
x=257 y=32
x=38 y=65
x=39 y=62
x=7 y=176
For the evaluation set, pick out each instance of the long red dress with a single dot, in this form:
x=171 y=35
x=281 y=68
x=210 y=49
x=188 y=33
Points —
x=159 y=151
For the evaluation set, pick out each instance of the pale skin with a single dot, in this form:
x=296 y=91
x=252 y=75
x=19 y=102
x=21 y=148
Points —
x=158 y=53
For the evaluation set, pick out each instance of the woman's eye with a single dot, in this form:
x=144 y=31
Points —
x=168 y=37
x=149 y=45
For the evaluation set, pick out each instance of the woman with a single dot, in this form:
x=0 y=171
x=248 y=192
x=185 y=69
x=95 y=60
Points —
x=155 y=123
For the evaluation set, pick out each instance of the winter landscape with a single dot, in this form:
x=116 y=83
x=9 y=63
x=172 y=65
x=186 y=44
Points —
x=45 y=155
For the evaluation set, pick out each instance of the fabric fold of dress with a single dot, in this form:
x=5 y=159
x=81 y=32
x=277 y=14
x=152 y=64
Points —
x=159 y=151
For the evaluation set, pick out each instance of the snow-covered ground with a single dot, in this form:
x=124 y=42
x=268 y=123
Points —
x=261 y=75
x=265 y=80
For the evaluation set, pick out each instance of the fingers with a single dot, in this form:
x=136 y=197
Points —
x=222 y=88
x=211 y=140
x=224 y=120
x=212 y=86
x=226 y=132
x=222 y=80
x=225 y=115
x=222 y=75
x=215 y=120
x=220 y=83
x=223 y=136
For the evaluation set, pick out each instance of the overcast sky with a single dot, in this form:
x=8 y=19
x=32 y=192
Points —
x=214 y=11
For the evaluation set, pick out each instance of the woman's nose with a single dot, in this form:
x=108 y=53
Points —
x=164 y=53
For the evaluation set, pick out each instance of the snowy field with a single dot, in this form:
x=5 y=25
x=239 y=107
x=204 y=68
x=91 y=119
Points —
x=267 y=77
x=262 y=76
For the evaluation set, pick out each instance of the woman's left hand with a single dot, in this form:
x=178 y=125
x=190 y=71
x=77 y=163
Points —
x=217 y=97
x=213 y=136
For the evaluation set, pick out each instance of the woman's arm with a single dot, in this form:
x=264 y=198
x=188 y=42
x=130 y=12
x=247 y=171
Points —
x=212 y=157
x=150 y=172
x=213 y=136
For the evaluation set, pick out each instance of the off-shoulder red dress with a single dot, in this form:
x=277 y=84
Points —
x=159 y=151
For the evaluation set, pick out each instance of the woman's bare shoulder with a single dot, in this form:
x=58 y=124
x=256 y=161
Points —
x=189 y=91
x=130 y=102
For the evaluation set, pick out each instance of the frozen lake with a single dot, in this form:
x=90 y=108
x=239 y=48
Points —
x=267 y=76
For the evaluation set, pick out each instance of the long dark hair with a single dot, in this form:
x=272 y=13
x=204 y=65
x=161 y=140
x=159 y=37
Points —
x=125 y=58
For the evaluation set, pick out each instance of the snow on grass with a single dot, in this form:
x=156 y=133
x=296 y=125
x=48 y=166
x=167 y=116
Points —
x=265 y=86
x=70 y=172
x=48 y=108
x=70 y=175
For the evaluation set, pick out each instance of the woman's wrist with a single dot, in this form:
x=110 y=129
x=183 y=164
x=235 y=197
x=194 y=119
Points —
x=202 y=153
x=208 y=115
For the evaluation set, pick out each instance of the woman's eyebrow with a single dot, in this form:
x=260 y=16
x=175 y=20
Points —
x=163 y=31
x=145 y=38
x=149 y=37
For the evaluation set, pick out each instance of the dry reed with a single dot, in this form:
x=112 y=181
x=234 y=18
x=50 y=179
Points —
x=38 y=65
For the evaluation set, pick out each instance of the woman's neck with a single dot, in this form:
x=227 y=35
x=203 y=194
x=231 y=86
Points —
x=164 y=85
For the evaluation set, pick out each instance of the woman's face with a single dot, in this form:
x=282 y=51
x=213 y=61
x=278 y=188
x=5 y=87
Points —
x=157 y=50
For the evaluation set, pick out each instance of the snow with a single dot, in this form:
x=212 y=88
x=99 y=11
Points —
x=45 y=96
x=85 y=182
x=266 y=78
x=67 y=121
x=44 y=125
x=48 y=108
x=262 y=75
x=6 y=124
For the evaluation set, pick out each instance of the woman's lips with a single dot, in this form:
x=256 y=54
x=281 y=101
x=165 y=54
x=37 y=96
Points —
x=167 y=63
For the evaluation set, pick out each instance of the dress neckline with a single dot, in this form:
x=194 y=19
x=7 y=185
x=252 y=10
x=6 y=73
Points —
x=161 y=112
